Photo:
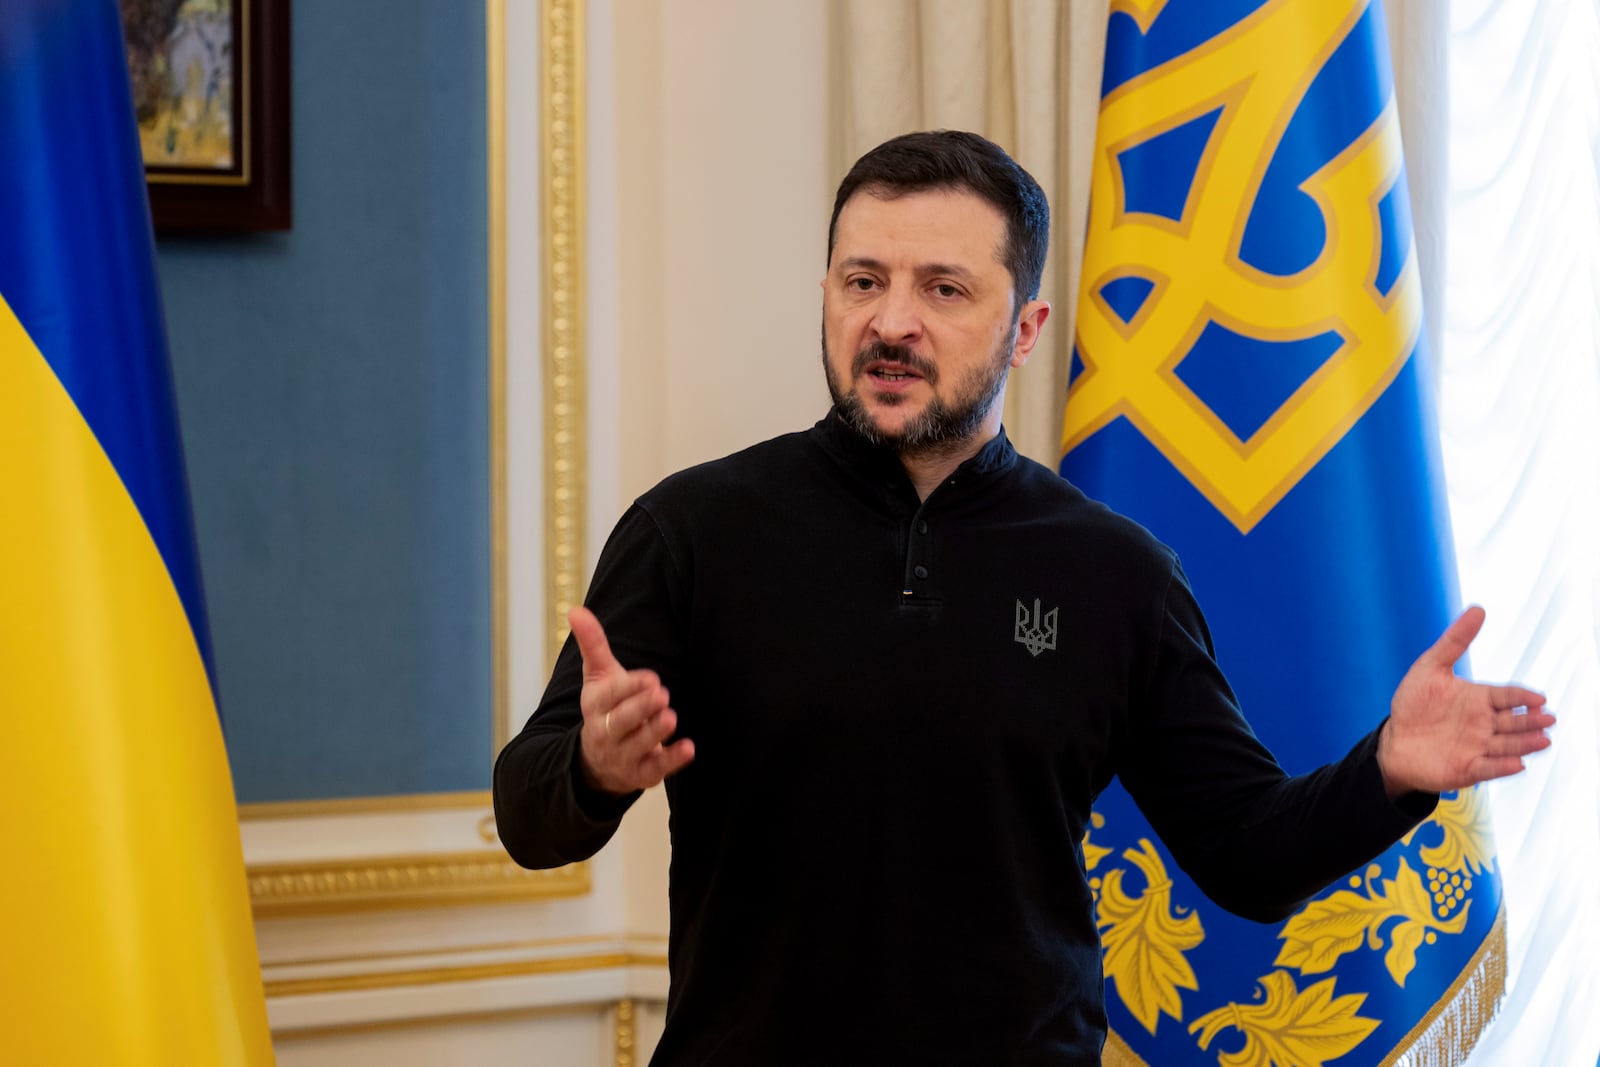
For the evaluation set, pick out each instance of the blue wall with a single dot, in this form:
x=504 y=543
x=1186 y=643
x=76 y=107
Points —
x=332 y=384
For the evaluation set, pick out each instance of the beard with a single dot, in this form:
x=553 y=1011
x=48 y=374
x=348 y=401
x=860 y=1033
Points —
x=943 y=425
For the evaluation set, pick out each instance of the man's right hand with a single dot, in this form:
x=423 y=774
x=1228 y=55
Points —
x=626 y=717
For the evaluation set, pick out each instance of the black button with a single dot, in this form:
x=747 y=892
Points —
x=920 y=571
x=922 y=526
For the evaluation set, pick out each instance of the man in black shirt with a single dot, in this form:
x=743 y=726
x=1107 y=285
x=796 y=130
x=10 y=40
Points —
x=880 y=760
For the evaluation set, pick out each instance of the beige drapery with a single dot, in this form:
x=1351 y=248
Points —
x=1026 y=74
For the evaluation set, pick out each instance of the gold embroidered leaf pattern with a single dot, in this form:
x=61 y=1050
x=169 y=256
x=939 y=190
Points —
x=1324 y=930
x=1290 y=1028
x=1468 y=844
x=1145 y=942
x=1092 y=854
x=1315 y=937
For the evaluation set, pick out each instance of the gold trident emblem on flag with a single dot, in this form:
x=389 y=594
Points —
x=1253 y=75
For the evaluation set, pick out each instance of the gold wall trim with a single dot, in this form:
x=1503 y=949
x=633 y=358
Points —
x=626 y=1041
x=411 y=1022
x=460 y=1018
x=481 y=877
x=382 y=805
x=346 y=983
x=565 y=404
x=499 y=511
x=633 y=940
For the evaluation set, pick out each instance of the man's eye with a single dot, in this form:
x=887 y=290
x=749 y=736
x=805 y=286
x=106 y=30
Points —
x=946 y=290
x=860 y=284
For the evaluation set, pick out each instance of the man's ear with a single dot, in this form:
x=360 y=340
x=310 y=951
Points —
x=1029 y=323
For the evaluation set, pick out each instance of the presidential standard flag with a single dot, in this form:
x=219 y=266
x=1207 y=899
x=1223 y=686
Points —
x=1250 y=382
x=125 y=931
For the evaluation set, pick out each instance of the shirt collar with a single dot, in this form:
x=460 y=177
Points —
x=842 y=441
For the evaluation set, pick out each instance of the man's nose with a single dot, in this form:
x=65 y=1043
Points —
x=897 y=320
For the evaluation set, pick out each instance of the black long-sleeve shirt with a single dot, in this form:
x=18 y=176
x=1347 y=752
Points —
x=902 y=712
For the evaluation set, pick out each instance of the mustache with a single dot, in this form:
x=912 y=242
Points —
x=877 y=350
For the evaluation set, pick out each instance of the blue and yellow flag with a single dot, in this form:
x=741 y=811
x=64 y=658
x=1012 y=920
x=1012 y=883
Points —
x=125 y=929
x=1250 y=383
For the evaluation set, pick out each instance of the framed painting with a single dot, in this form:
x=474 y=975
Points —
x=211 y=94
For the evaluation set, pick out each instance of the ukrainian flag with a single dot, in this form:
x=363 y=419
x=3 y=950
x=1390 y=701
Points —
x=1251 y=383
x=125 y=929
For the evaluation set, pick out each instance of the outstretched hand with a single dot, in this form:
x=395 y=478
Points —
x=626 y=717
x=1446 y=732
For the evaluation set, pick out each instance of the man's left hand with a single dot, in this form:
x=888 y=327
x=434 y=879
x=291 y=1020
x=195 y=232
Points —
x=1446 y=732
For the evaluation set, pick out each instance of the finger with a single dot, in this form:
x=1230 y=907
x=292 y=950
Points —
x=1517 y=744
x=1495 y=767
x=640 y=748
x=1502 y=697
x=1512 y=722
x=592 y=643
x=668 y=760
x=661 y=726
x=1453 y=643
x=604 y=694
x=643 y=750
x=632 y=718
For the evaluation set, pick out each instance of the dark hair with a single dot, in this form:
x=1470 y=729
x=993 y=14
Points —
x=951 y=159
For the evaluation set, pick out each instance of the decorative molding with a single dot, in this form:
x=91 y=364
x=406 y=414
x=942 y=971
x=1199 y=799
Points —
x=295 y=889
x=347 y=983
x=454 y=1018
x=382 y=805
x=643 y=946
x=626 y=1038
x=565 y=403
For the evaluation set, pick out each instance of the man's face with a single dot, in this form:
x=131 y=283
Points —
x=918 y=327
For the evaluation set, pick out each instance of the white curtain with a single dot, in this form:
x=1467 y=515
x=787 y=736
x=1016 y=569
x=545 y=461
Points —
x=1490 y=93
x=1520 y=426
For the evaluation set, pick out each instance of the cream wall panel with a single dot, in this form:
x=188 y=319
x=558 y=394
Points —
x=747 y=193
x=649 y=1019
x=577 y=1039
x=593 y=1035
x=448 y=1002
x=710 y=195
x=723 y=194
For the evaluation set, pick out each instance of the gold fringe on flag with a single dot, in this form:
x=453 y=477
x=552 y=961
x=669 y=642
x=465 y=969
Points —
x=1446 y=1036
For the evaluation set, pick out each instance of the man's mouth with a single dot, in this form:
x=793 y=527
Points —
x=893 y=367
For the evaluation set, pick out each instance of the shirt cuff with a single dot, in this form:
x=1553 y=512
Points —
x=594 y=804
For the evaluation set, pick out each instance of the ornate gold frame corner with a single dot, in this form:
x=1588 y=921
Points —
x=429 y=880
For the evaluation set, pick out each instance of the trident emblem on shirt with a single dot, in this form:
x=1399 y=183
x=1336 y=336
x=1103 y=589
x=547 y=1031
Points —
x=1036 y=632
